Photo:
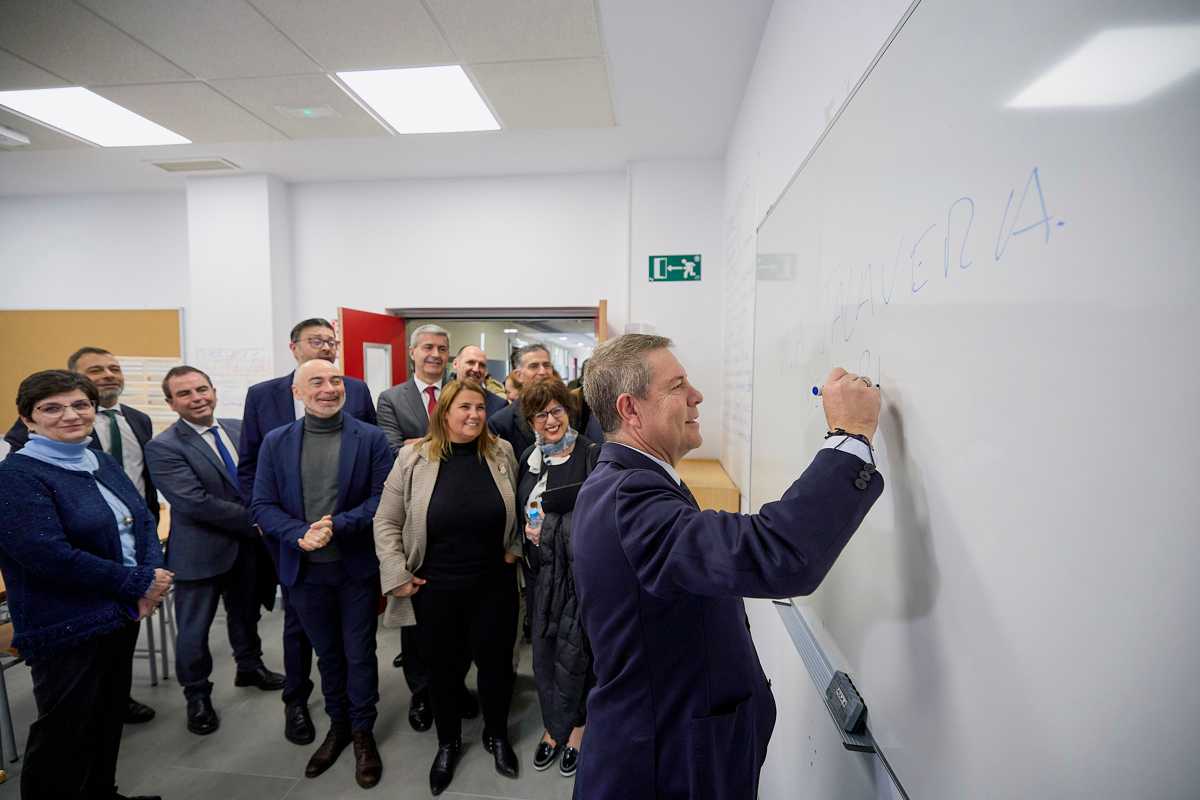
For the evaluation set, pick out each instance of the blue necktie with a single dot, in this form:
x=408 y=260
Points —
x=230 y=467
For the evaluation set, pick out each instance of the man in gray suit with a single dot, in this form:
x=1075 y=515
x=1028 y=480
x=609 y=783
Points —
x=404 y=409
x=213 y=549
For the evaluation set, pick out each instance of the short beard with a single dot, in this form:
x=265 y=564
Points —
x=108 y=397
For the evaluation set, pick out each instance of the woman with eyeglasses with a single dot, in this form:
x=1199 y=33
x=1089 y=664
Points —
x=447 y=541
x=82 y=564
x=551 y=473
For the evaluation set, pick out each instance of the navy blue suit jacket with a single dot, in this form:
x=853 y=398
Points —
x=278 y=503
x=208 y=513
x=681 y=707
x=60 y=551
x=269 y=405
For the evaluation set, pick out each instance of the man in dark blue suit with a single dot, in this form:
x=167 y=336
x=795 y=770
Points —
x=533 y=364
x=213 y=548
x=316 y=490
x=681 y=707
x=270 y=405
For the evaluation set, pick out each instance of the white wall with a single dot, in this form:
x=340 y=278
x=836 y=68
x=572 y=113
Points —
x=94 y=251
x=811 y=56
x=675 y=209
x=516 y=241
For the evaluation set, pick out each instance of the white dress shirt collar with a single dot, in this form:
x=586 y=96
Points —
x=670 y=470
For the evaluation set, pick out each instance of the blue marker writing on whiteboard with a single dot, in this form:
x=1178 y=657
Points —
x=817 y=389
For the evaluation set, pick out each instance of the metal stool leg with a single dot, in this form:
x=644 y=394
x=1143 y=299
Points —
x=152 y=656
x=166 y=643
x=6 y=725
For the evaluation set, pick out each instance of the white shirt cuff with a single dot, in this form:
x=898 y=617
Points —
x=848 y=444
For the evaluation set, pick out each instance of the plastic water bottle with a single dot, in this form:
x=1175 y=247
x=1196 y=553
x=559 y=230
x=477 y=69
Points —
x=535 y=517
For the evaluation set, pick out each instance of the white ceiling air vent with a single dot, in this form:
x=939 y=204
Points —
x=196 y=165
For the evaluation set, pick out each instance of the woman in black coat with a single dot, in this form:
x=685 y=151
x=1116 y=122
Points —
x=551 y=473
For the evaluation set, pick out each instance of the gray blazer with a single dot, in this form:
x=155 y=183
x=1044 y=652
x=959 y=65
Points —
x=400 y=520
x=208 y=513
x=401 y=414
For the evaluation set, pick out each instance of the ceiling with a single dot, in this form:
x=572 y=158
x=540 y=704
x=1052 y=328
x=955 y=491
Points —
x=578 y=85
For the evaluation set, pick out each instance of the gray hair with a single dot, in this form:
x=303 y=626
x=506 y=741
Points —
x=428 y=328
x=619 y=367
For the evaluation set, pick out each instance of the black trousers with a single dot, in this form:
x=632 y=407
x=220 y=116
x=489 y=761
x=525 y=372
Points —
x=340 y=614
x=196 y=605
x=81 y=696
x=416 y=671
x=483 y=616
x=297 y=649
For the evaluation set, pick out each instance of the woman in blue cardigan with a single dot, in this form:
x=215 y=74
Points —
x=82 y=564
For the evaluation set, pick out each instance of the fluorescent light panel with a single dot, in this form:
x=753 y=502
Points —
x=89 y=116
x=422 y=99
x=1117 y=67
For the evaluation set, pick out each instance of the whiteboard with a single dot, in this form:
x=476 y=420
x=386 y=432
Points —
x=1021 y=609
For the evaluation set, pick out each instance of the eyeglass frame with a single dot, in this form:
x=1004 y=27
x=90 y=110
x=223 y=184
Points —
x=558 y=412
x=56 y=410
x=320 y=341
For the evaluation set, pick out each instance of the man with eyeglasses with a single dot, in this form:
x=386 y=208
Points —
x=270 y=405
x=121 y=431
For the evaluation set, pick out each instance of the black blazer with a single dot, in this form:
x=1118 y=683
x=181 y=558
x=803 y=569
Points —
x=143 y=431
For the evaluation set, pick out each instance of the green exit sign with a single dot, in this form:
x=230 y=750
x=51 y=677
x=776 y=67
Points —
x=674 y=268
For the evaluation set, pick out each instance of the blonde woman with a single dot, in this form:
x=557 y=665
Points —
x=447 y=542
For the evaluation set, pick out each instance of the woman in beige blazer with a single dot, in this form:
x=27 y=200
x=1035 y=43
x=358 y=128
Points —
x=447 y=542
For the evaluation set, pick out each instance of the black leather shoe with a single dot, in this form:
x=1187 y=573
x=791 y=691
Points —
x=138 y=713
x=569 y=763
x=201 y=718
x=335 y=742
x=420 y=713
x=261 y=677
x=442 y=771
x=468 y=706
x=501 y=750
x=368 y=766
x=545 y=754
x=398 y=661
x=298 y=725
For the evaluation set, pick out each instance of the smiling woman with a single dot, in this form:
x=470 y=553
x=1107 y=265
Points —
x=445 y=535
x=82 y=563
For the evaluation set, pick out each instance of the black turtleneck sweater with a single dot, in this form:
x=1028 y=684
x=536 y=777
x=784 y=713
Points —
x=319 y=453
x=465 y=522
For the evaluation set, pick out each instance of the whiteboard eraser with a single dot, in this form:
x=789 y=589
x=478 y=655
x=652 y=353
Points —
x=847 y=704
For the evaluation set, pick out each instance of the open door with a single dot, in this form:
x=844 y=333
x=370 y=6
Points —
x=373 y=348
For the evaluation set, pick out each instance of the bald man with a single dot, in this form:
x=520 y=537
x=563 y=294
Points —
x=471 y=362
x=316 y=488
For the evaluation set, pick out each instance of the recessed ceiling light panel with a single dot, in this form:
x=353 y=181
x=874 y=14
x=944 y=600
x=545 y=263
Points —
x=89 y=116
x=1117 y=67
x=422 y=99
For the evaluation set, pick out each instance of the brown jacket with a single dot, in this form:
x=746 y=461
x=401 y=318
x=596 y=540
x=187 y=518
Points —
x=400 y=519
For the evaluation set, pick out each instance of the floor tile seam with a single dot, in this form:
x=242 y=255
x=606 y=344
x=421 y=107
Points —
x=235 y=774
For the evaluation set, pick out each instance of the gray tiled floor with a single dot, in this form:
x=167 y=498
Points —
x=249 y=758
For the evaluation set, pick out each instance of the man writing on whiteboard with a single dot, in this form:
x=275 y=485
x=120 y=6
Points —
x=681 y=707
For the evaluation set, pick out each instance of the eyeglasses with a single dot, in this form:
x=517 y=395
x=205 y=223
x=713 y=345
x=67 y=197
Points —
x=80 y=407
x=558 y=412
x=317 y=342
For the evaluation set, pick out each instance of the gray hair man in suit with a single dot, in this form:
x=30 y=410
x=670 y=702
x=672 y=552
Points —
x=404 y=409
x=403 y=413
x=213 y=548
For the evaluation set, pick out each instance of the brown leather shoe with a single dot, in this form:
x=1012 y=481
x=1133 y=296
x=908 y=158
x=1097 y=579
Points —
x=335 y=742
x=367 y=765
